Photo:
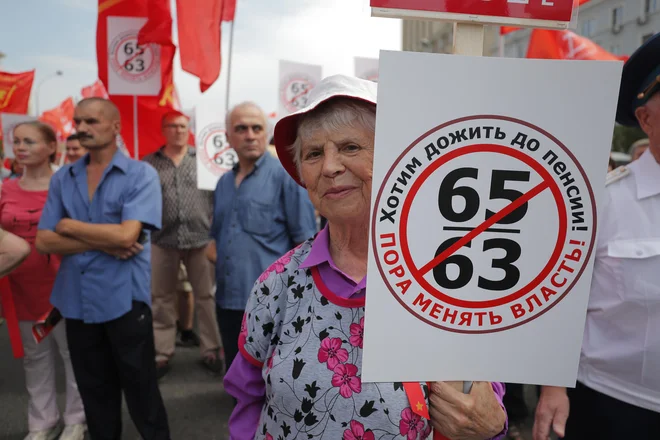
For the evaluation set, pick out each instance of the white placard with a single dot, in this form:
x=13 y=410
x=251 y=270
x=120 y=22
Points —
x=9 y=121
x=296 y=81
x=366 y=68
x=132 y=69
x=485 y=189
x=214 y=155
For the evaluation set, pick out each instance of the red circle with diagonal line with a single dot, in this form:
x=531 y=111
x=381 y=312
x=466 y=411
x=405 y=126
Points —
x=476 y=281
x=548 y=183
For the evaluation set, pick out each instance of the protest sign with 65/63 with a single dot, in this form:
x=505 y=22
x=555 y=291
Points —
x=495 y=184
x=484 y=216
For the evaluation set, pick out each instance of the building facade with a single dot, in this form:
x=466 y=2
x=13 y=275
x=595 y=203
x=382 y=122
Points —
x=618 y=26
x=438 y=37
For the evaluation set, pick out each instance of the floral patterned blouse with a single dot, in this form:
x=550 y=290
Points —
x=307 y=342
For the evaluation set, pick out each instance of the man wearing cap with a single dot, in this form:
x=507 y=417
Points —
x=617 y=395
x=259 y=214
x=183 y=239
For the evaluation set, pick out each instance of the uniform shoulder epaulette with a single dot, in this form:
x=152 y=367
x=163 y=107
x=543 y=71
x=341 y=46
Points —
x=617 y=174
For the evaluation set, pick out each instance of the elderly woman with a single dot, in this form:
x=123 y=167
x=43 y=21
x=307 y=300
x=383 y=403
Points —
x=301 y=342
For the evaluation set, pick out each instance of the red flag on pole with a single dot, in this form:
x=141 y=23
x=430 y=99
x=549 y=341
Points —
x=15 y=91
x=199 y=38
x=565 y=45
x=199 y=25
x=150 y=109
x=158 y=29
x=228 y=10
x=96 y=90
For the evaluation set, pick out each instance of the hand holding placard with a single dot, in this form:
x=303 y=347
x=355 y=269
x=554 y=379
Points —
x=459 y=416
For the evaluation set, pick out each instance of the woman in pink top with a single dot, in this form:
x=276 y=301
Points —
x=300 y=370
x=21 y=203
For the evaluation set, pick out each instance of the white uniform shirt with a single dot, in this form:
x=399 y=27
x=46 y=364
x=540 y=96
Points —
x=621 y=346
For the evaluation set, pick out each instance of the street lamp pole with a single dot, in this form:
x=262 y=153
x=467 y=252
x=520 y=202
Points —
x=36 y=98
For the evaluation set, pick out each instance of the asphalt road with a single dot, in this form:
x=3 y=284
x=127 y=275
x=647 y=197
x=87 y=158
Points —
x=197 y=406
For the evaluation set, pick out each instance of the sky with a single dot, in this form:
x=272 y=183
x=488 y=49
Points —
x=52 y=35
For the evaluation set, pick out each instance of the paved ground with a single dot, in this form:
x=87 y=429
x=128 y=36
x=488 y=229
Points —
x=197 y=406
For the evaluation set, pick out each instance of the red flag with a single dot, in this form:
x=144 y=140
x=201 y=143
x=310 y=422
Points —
x=60 y=118
x=150 y=108
x=565 y=45
x=96 y=90
x=199 y=38
x=15 y=91
x=228 y=10
x=158 y=28
x=9 y=312
x=508 y=29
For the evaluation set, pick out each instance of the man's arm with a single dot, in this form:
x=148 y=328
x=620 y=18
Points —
x=49 y=242
x=101 y=236
x=13 y=251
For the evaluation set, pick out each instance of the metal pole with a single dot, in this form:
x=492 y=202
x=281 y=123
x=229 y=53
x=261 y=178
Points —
x=36 y=98
x=231 y=50
x=136 y=148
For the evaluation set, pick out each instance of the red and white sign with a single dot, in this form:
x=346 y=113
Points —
x=366 y=68
x=544 y=13
x=215 y=156
x=484 y=216
x=485 y=264
x=133 y=69
x=214 y=150
x=296 y=81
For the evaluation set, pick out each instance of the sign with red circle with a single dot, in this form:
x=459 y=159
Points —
x=215 y=152
x=476 y=262
x=131 y=61
x=133 y=69
x=295 y=91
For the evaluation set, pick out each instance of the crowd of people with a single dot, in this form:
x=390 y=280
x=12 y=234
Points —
x=126 y=250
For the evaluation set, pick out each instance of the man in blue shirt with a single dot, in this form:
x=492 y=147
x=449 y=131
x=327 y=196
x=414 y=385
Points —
x=259 y=213
x=98 y=216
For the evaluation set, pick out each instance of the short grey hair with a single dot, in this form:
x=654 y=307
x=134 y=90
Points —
x=246 y=104
x=333 y=116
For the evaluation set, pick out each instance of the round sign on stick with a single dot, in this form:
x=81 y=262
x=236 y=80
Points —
x=131 y=61
x=216 y=154
x=295 y=91
x=509 y=233
x=133 y=69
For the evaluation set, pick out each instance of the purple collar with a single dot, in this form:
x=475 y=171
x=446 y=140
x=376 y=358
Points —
x=337 y=281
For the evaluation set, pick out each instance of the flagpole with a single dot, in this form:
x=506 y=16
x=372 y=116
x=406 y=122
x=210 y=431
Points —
x=231 y=50
x=136 y=148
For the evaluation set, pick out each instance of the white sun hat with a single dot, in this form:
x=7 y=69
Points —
x=331 y=87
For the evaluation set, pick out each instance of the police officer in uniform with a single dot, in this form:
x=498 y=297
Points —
x=617 y=395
